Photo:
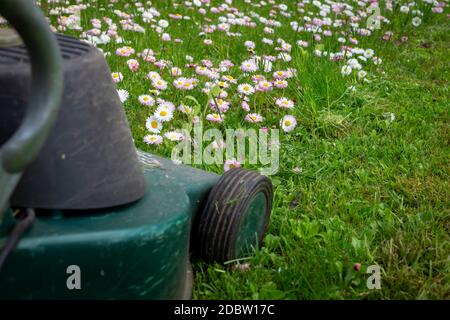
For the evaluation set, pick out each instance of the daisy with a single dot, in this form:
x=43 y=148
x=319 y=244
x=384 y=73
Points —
x=226 y=65
x=153 y=125
x=160 y=84
x=222 y=104
x=257 y=78
x=163 y=23
x=280 y=84
x=133 y=65
x=165 y=37
x=362 y=74
x=267 y=65
x=163 y=113
x=231 y=164
x=284 y=57
x=346 y=70
x=123 y=95
x=147 y=52
x=222 y=84
x=229 y=78
x=288 y=123
x=214 y=75
x=185 y=109
x=416 y=21
x=166 y=104
x=117 y=77
x=253 y=117
x=246 y=89
x=267 y=41
x=202 y=71
x=284 y=103
x=125 y=51
x=214 y=117
x=245 y=106
x=175 y=71
x=179 y=83
x=146 y=100
x=188 y=84
x=174 y=136
x=368 y=53
x=249 y=66
x=377 y=60
x=249 y=44
x=153 y=76
x=153 y=139
x=404 y=9
x=264 y=86
x=280 y=75
x=161 y=64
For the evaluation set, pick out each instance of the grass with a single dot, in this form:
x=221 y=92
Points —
x=371 y=191
x=364 y=178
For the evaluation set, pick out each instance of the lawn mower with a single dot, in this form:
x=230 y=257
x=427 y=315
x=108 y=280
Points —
x=83 y=214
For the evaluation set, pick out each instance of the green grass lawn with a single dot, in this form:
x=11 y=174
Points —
x=371 y=191
x=364 y=177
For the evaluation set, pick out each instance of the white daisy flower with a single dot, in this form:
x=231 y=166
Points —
x=288 y=123
x=117 y=77
x=416 y=21
x=174 y=136
x=253 y=118
x=284 y=103
x=153 y=139
x=346 y=70
x=146 y=100
x=231 y=164
x=185 y=109
x=246 y=89
x=153 y=76
x=163 y=113
x=153 y=125
x=123 y=95
x=160 y=84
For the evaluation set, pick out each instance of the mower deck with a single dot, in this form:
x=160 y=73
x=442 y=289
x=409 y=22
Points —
x=137 y=250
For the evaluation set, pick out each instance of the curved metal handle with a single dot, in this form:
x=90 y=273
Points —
x=46 y=91
x=47 y=84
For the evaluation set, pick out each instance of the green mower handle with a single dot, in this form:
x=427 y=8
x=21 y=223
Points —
x=46 y=91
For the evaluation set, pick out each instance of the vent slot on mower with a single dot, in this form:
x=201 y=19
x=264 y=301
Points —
x=70 y=48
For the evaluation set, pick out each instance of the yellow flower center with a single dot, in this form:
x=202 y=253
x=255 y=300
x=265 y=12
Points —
x=154 y=124
x=287 y=123
x=163 y=113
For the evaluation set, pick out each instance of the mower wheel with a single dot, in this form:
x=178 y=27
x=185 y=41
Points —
x=235 y=216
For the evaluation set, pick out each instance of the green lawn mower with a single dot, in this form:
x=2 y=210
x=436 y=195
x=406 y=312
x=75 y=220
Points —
x=83 y=215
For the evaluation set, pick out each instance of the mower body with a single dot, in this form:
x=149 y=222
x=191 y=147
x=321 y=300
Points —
x=136 y=251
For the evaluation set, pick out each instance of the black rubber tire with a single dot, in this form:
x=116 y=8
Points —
x=217 y=228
